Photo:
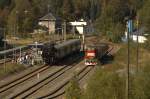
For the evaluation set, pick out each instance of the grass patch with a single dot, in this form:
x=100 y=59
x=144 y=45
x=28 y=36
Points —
x=105 y=85
x=121 y=57
x=39 y=38
x=108 y=84
x=10 y=68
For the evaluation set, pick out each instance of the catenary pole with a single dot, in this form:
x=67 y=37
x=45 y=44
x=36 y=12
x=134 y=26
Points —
x=65 y=30
x=48 y=22
x=128 y=63
x=4 y=49
x=137 y=62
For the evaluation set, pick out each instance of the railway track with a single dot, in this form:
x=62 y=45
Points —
x=35 y=86
x=19 y=80
x=53 y=83
x=60 y=91
x=18 y=84
x=59 y=78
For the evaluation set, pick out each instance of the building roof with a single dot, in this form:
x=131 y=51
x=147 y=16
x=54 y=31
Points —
x=69 y=42
x=49 y=17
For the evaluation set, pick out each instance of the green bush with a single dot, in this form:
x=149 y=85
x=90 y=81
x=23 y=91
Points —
x=117 y=33
x=105 y=85
x=73 y=91
x=140 y=85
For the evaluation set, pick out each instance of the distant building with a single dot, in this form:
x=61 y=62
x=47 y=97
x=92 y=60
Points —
x=141 y=36
x=50 y=21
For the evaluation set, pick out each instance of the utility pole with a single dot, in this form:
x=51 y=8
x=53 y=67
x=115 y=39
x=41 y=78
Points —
x=13 y=35
x=83 y=36
x=137 y=64
x=129 y=30
x=48 y=23
x=4 y=49
x=104 y=13
x=65 y=30
x=128 y=66
x=16 y=32
x=25 y=14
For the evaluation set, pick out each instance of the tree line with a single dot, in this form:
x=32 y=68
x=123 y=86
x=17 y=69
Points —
x=108 y=16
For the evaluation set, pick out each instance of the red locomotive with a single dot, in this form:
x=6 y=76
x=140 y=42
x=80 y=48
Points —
x=90 y=57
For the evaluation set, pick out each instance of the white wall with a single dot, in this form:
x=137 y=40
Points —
x=79 y=26
x=141 y=39
x=80 y=29
x=51 y=25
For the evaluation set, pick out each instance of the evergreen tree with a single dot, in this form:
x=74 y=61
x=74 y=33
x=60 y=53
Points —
x=113 y=13
x=78 y=9
x=56 y=7
x=4 y=3
x=68 y=10
x=143 y=15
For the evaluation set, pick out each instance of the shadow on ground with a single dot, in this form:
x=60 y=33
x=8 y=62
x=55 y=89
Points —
x=107 y=59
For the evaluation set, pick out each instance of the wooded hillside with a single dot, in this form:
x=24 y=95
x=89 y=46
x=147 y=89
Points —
x=107 y=15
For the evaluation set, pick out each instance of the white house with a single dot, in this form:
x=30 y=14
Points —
x=50 y=21
x=140 y=34
x=79 y=25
